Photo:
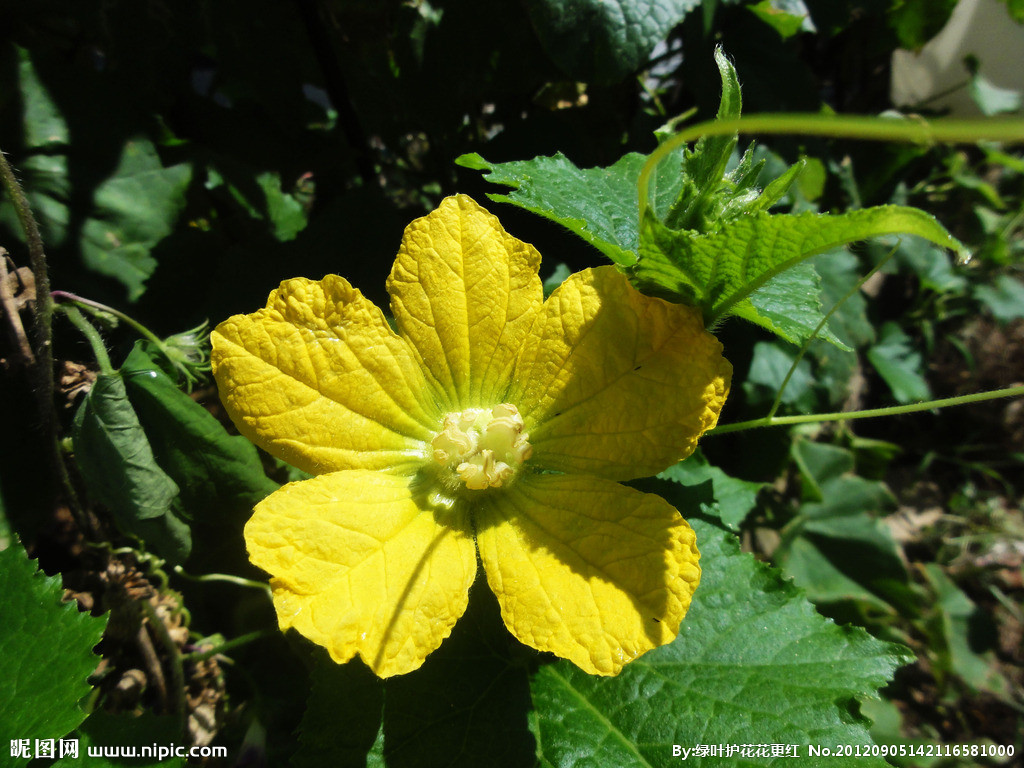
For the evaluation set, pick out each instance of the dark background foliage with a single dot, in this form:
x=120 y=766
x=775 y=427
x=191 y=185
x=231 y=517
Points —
x=184 y=157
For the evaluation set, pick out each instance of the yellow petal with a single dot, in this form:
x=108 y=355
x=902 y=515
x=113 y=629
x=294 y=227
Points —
x=587 y=569
x=318 y=379
x=465 y=293
x=615 y=383
x=364 y=564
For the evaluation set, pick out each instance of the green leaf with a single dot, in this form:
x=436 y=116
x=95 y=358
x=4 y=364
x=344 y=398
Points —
x=703 y=167
x=1005 y=299
x=837 y=550
x=217 y=474
x=1015 y=9
x=836 y=533
x=603 y=42
x=779 y=16
x=722 y=272
x=839 y=271
x=753 y=664
x=286 y=213
x=45 y=653
x=990 y=98
x=134 y=209
x=341 y=693
x=768 y=370
x=928 y=262
x=44 y=125
x=918 y=21
x=120 y=471
x=126 y=732
x=899 y=364
x=601 y=205
x=960 y=636
x=727 y=498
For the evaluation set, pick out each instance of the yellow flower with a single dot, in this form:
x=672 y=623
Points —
x=492 y=421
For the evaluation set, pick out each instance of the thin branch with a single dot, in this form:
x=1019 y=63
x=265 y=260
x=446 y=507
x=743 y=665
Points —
x=10 y=307
x=896 y=410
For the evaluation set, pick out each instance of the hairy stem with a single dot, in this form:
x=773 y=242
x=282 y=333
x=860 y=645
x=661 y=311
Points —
x=95 y=305
x=88 y=330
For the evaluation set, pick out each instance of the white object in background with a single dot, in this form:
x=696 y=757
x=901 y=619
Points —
x=982 y=28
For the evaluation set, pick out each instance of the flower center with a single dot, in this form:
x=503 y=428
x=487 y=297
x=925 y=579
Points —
x=483 y=446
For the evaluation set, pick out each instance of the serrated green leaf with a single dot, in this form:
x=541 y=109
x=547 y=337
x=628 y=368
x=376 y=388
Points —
x=723 y=271
x=790 y=305
x=753 y=664
x=899 y=364
x=728 y=498
x=601 y=205
x=45 y=653
x=603 y=42
x=104 y=732
x=120 y=471
x=217 y=474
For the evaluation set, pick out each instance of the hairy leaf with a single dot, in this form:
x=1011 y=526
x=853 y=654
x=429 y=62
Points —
x=723 y=272
x=600 y=205
x=45 y=653
x=753 y=664
x=603 y=42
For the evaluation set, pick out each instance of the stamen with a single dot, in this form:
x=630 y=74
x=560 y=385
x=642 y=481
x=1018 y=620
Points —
x=484 y=448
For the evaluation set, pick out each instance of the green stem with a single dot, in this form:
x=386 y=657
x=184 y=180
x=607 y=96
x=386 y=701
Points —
x=225 y=578
x=41 y=376
x=97 y=306
x=896 y=410
x=228 y=645
x=87 y=329
x=807 y=344
x=916 y=131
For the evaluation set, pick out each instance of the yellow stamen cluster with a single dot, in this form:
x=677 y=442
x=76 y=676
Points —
x=483 y=446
